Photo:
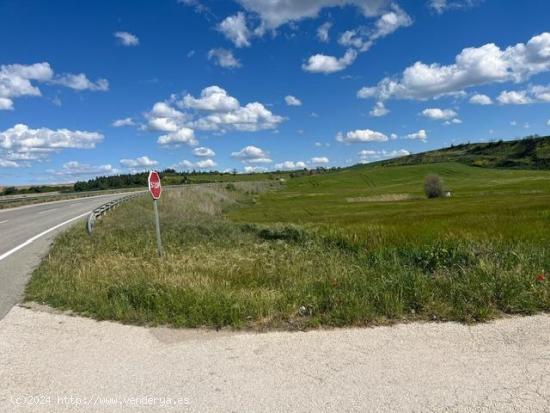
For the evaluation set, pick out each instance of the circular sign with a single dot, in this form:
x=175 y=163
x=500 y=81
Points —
x=154 y=184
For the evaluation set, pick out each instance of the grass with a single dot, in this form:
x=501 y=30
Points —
x=527 y=153
x=358 y=247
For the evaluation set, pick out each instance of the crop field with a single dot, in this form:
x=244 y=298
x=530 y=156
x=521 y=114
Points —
x=360 y=246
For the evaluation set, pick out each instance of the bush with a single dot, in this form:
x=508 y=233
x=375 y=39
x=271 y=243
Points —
x=433 y=186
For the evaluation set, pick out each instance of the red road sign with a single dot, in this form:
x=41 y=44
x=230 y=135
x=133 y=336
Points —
x=154 y=184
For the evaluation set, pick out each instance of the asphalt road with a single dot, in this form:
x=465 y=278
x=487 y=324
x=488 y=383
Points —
x=18 y=226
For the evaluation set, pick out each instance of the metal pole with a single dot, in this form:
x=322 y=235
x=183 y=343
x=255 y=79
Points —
x=157 y=223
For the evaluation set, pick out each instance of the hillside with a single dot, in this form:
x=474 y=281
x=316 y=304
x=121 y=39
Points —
x=527 y=153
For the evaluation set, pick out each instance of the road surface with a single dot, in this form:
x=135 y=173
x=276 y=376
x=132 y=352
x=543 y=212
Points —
x=31 y=223
x=74 y=364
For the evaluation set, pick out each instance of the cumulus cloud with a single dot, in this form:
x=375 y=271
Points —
x=290 y=165
x=123 y=122
x=319 y=160
x=19 y=80
x=479 y=99
x=473 y=66
x=81 y=82
x=421 y=135
x=363 y=39
x=212 y=98
x=439 y=114
x=203 y=164
x=224 y=58
x=534 y=94
x=252 y=155
x=441 y=6
x=292 y=101
x=213 y=110
x=379 y=110
x=126 y=39
x=182 y=135
x=361 y=135
x=75 y=168
x=23 y=143
x=321 y=63
x=514 y=98
x=141 y=162
x=275 y=13
x=323 y=32
x=254 y=169
x=204 y=152
x=236 y=30
x=367 y=156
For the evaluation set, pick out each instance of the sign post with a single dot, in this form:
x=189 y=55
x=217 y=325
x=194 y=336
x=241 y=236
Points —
x=155 y=189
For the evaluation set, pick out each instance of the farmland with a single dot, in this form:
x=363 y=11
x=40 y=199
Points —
x=359 y=246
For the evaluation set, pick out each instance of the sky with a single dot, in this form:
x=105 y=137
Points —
x=103 y=87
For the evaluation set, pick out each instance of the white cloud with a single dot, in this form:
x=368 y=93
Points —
x=352 y=38
x=290 y=165
x=236 y=30
x=454 y=121
x=224 y=58
x=479 y=99
x=361 y=135
x=24 y=143
x=81 y=82
x=439 y=114
x=203 y=152
x=292 y=101
x=320 y=63
x=379 y=110
x=250 y=118
x=74 y=168
x=534 y=94
x=421 y=135
x=252 y=155
x=370 y=156
x=473 y=66
x=323 y=32
x=203 y=164
x=123 y=122
x=4 y=163
x=6 y=104
x=387 y=23
x=213 y=98
x=182 y=135
x=141 y=162
x=17 y=80
x=320 y=160
x=441 y=6
x=548 y=123
x=214 y=110
x=514 y=98
x=274 y=13
x=126 y=39
x=254 y=169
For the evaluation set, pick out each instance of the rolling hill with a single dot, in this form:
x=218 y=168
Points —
x=527 y=153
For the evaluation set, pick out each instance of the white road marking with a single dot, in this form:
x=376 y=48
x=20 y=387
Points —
x=27 y=242
x=3 y=222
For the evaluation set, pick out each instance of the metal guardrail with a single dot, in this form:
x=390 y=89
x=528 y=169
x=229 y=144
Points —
x=103 y=209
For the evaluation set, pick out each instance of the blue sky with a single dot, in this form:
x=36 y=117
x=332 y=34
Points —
x=104 y=87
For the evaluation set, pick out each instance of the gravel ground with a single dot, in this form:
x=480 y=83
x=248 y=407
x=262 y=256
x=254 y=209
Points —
x=54 y=362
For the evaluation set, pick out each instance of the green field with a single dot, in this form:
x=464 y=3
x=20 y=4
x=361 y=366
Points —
x=360 y=246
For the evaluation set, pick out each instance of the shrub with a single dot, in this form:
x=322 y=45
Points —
x=433 y=186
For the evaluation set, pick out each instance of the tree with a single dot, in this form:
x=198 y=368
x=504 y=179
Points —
x=433 y=186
